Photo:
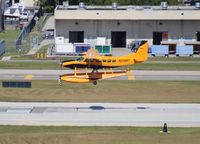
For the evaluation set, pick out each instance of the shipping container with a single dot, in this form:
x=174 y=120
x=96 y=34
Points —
x=81 y=47
x=184 y=50
x=103 y=49
x=99 y=48
x=159 y=50
x=59 y=40
x=64 y=48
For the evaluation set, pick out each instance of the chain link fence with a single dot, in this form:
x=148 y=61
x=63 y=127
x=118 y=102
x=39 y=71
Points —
x=2 y=47
x=26 y=30
x=24 y=47
x=30 y=36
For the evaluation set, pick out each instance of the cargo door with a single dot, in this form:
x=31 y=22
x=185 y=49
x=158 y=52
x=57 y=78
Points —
x=118 y=39
x=76 y=36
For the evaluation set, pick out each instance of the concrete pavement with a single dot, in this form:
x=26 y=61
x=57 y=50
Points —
x=50 y=24
x=18 y=74
x=100 y=114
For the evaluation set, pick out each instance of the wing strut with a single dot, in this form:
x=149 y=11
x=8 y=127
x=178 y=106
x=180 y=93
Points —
x=75 y=69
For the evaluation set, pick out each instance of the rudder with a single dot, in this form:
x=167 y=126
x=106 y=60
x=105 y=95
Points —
x=141 y=54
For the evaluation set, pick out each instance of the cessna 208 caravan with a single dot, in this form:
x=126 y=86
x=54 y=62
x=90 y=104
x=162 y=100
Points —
x=91 y=60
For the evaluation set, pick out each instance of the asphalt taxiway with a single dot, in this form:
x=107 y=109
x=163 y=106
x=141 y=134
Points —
x=100 y=114
x=16 y=74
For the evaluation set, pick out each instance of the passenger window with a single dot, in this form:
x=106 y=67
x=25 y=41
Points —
x=104 y=60
x=109 y=60
x=113 y=60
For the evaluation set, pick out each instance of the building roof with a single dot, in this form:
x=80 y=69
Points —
x=127 y=13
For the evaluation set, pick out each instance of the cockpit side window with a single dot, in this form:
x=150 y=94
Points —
x=79 y=59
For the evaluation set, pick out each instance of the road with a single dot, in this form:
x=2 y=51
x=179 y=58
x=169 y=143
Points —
x=14 y=74
x=100 y=114
x=50 y=24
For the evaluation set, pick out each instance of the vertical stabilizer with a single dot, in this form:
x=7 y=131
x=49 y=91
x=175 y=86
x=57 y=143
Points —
x=141 y=54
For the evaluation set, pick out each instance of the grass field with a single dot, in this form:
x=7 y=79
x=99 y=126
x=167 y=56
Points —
x=107 y=91
x=167 y=66
x=10 y=37
x=96 y=135
x=43 y=49
x=24 y=57
x=143 y=66
x=31 y=57
x=180 y=58
x=30 y=65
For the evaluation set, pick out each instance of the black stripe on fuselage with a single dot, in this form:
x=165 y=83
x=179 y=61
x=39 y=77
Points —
x=91 y=66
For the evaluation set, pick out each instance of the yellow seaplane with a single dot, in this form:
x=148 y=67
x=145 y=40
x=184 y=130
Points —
x=91 y=60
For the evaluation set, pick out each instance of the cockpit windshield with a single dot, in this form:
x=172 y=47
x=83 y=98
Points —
x=79 y=59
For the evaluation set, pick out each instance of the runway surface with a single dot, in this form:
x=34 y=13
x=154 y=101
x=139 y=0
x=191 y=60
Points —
x=13 y=74
x=100 y=114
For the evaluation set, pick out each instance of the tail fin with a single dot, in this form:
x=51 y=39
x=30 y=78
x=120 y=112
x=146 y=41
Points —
x=142 y=53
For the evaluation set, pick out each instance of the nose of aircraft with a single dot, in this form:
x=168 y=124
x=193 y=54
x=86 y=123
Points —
x=65 y=63
x=68 y=63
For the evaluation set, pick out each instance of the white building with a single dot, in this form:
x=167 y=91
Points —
x=29 y=3
x=26 y=3
x=122 y=24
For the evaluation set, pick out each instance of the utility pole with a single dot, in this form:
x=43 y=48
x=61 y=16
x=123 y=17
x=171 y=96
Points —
x=2 y=7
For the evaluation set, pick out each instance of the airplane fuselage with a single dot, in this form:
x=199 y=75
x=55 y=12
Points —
x=101 y=62
x=98 y=62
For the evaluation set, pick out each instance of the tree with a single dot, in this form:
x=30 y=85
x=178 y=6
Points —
x=73 y=2
x=49 y=5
